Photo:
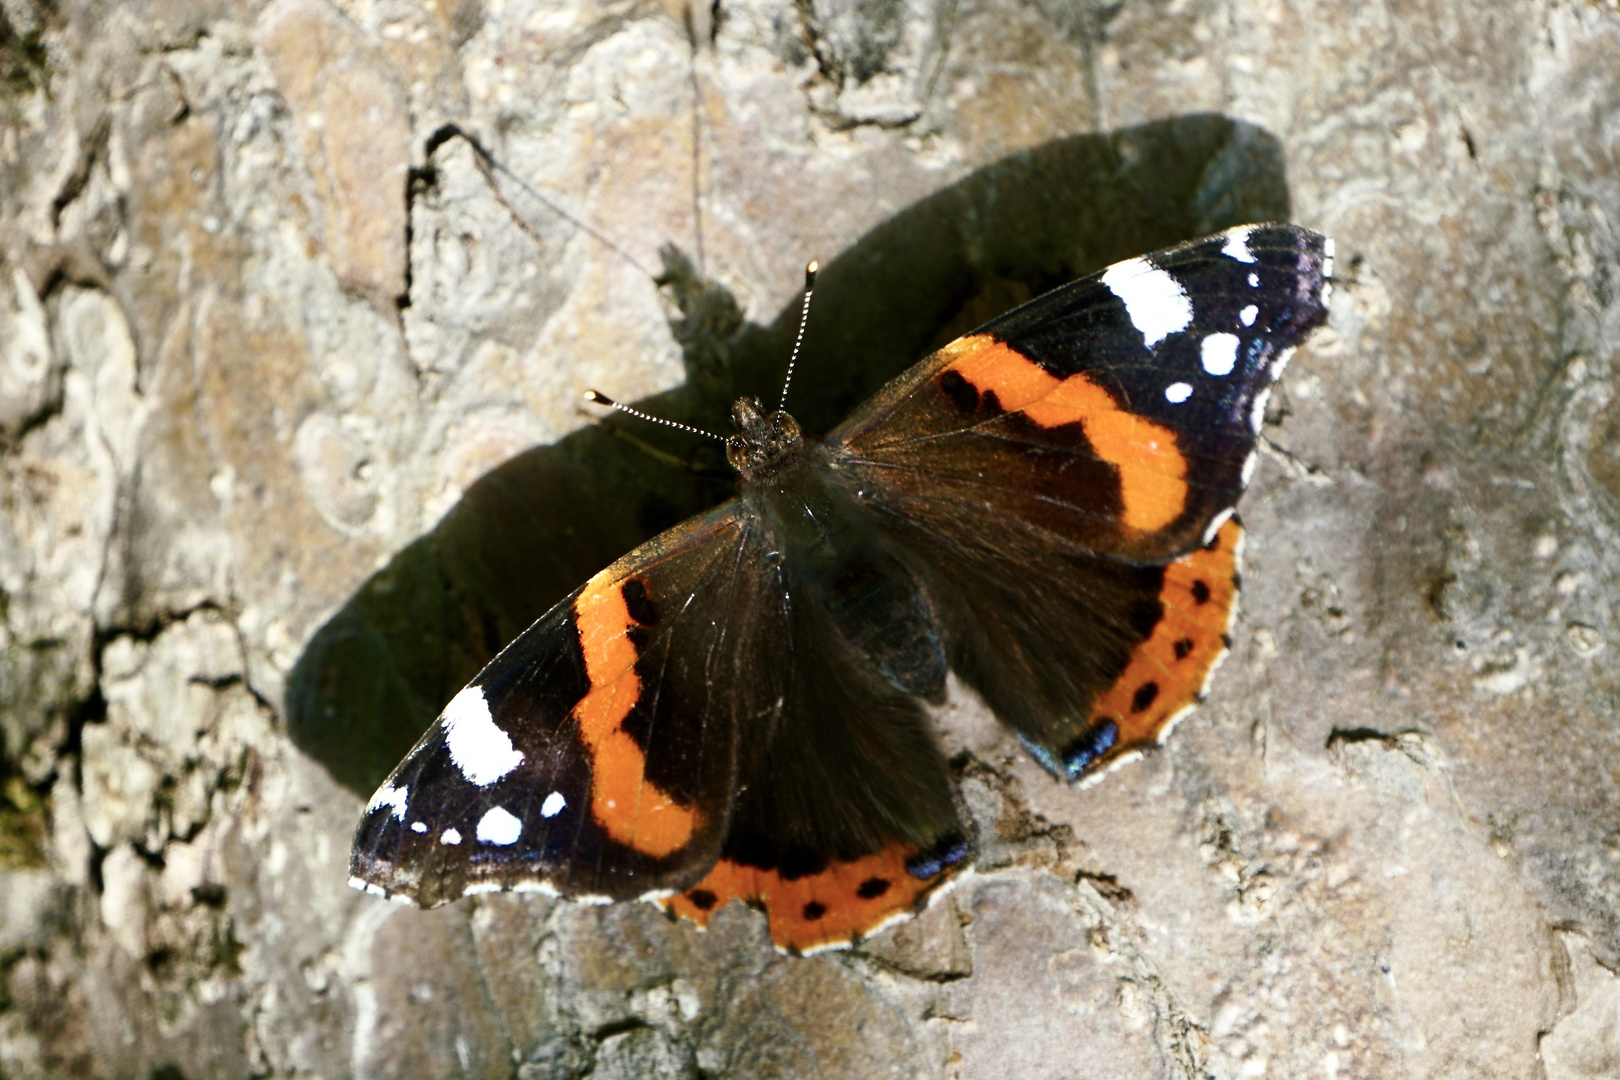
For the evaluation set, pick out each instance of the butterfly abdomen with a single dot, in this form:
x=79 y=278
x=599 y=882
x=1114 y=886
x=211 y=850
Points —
x=836 y=560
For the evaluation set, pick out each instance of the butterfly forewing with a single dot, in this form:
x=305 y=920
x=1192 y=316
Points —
x=596 y=755
x=1116 y=415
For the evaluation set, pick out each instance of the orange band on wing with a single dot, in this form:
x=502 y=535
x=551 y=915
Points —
x=1169 y=670
x=1152 y=470
x=841 y=905
x=633 y=811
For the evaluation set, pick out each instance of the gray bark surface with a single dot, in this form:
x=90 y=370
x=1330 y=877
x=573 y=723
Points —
x=290 y=441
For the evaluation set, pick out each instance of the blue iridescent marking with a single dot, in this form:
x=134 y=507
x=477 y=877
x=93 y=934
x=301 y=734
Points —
x=1080 y=754
x=925 y=864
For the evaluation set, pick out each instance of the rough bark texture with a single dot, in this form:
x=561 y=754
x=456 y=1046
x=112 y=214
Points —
x=289 y=442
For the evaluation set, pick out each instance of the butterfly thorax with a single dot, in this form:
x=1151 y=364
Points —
x=764 y=441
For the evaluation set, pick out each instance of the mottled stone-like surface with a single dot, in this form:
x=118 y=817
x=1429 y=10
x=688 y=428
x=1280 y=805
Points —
x=290 y=443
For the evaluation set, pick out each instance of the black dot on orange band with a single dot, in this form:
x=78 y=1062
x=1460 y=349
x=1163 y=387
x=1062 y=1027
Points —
x=1183 y=648
x=814 y=910
x=1200 y=591
x=1144 y=696
x=702 y=899
x=961 y=392
x=872 y=888
x=638 y=603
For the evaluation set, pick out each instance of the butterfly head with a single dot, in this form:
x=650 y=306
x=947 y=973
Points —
x=763 y=440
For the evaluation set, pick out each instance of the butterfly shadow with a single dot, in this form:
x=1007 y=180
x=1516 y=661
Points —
x=533 y=529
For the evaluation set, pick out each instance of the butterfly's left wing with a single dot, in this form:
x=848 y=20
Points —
x=683 y=728
x=1065 y=477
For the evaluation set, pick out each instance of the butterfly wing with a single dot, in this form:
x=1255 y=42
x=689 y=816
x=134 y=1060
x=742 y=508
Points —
x=846 y=814
x=679 y=723
x=595 y=757
x=1064 y=478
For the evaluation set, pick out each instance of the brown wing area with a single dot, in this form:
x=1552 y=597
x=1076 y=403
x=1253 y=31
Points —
x=843 y=904
x=1168 y=672
x=981 y=425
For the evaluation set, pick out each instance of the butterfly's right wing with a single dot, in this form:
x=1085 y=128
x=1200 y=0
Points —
x=1065 y=476
x=596 y=756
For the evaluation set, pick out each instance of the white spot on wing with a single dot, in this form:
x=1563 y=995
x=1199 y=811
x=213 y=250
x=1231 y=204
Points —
x=1248 y=467
x=1155 y=301
x=1246 y=316
x=450 y=836
x=1177 y=392
x=1254 y=281
x=481 y=887
x=498 y=826
x=389 y=795
x=1237 y=245
x=1219 y=353
x=553 y=804
x=418 y=826
x=482 y=751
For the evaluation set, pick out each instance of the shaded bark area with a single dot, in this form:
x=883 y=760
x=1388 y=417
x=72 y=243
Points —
x=289 y=446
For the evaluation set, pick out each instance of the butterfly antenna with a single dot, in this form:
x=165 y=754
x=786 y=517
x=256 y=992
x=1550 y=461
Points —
x=599 y=398
x=810 y=272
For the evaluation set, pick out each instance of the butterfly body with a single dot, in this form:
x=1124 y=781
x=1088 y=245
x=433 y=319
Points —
x=735 y=710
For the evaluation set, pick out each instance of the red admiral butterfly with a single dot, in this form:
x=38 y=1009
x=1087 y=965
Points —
x=735 y=710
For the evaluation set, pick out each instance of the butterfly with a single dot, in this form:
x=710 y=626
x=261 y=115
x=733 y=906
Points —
x=737 y=709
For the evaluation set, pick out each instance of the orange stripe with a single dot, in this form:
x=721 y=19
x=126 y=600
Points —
x=633 y=811
x=1152 y=470
x=1179 y=680
x=845 y=916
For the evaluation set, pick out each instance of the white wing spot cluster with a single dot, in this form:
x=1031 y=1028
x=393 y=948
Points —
x=1219 y=353
x=553 y=805
x=498 y=826
x=1155 y=301
x=389 y=795
x=481 y=750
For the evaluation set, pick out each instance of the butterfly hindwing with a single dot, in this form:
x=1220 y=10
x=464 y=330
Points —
x=846 y=816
